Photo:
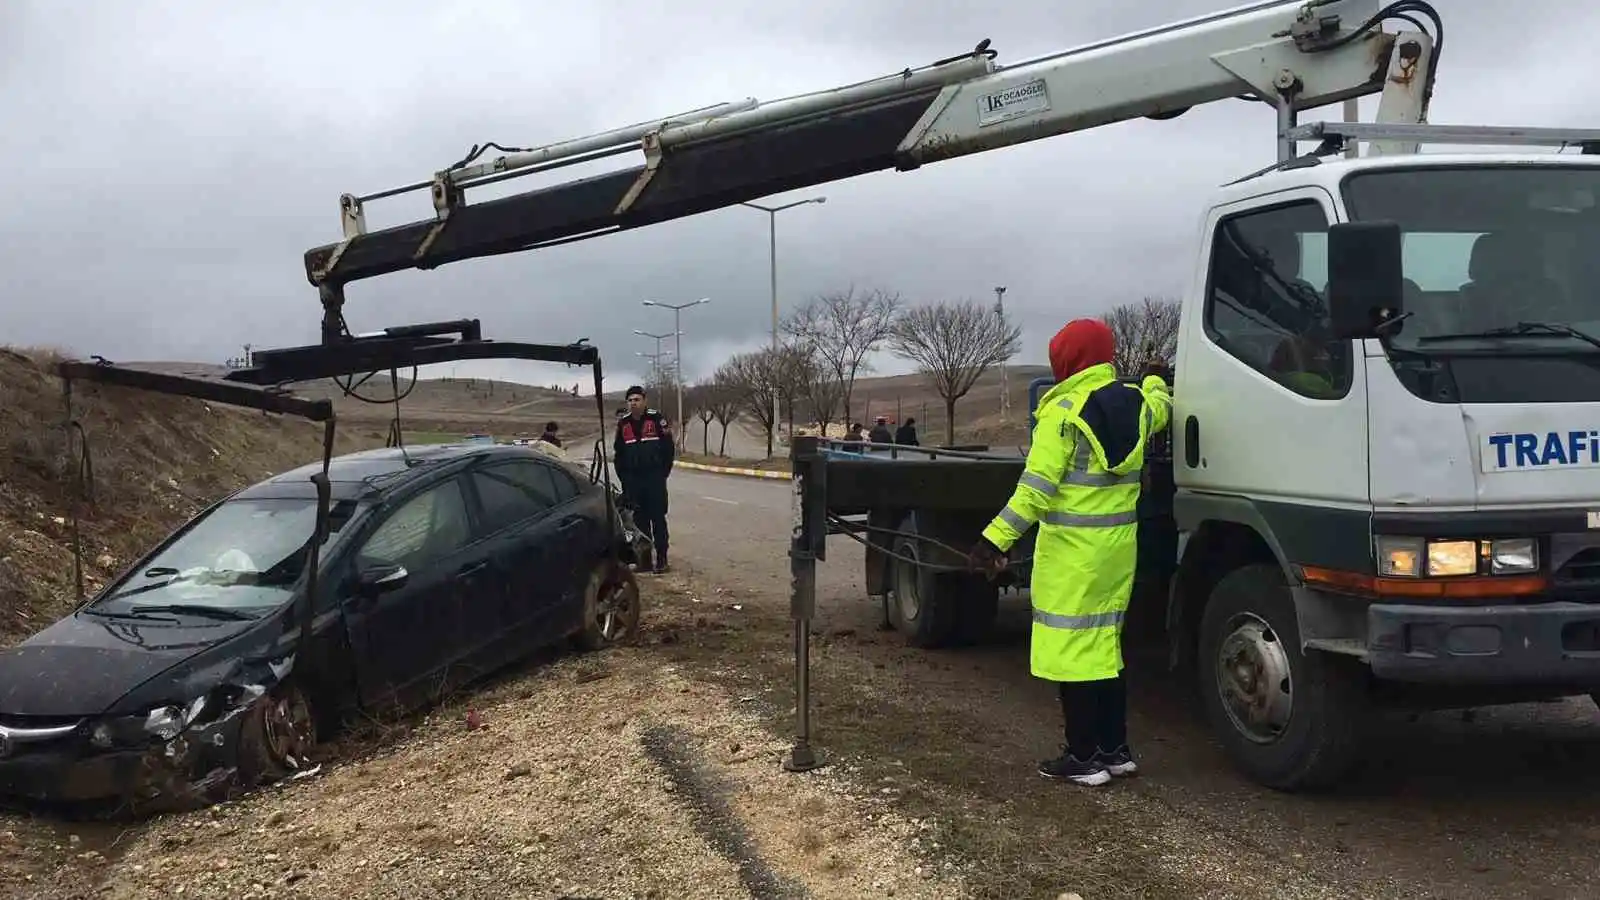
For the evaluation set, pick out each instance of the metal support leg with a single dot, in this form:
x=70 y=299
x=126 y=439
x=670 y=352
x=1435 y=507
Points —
x=807 y=540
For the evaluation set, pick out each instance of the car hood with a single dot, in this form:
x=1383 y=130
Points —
x=83 y=664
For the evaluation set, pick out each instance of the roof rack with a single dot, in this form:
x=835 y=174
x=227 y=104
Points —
x=1334 y=135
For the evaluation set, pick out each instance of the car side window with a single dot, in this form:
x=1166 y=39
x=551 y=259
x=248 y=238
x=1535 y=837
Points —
x=514 y=492
x=424 y=529
x=1261 y=303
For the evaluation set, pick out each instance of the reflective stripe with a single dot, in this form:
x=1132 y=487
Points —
x=1038 y=482
x=1014 y=519
x=1078 y=623
x=1101 y=479
x=1079 y=472
x=1077 y=520
x=1065 y=404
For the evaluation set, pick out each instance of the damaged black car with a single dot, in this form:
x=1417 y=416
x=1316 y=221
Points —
x=197 y=673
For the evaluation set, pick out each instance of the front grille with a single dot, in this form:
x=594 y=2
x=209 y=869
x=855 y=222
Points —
x=10 y=721
x=1582 y=569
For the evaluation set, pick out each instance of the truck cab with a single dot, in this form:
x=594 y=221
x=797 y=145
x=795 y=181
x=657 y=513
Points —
x=1409 y=504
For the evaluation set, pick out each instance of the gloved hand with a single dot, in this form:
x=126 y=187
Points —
x=986 y=558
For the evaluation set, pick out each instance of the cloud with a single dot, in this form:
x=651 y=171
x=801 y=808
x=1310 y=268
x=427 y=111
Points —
x=170 y=162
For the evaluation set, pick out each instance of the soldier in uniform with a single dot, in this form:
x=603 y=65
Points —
x=643 y=451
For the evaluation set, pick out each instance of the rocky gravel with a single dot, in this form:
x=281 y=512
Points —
x=604 y=776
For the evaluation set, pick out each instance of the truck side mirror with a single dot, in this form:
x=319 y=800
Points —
x=1366 y=282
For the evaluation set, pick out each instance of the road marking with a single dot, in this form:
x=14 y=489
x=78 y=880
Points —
x=720 y=500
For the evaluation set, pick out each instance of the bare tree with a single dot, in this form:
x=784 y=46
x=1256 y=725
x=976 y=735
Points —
x=842 y=329
x=753 y=378
x=1145 y=331
x=722 y=399
x=818 y=387
x=953 y=344
x=697 y=402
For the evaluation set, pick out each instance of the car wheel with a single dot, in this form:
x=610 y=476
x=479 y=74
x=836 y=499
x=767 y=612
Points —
x=277 y=736
x=610 y=607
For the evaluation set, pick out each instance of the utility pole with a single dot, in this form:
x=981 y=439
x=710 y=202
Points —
x=247 y=356
x=677 y=343
x=1005 y=383
x=772 y=250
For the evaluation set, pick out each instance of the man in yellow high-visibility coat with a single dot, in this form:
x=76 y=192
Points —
x=1081 y=486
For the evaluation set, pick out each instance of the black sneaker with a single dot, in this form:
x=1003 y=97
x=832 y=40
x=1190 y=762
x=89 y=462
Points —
x=1068 y=768
x=1118 y=762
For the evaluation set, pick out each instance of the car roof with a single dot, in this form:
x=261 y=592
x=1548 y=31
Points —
x=370 y=474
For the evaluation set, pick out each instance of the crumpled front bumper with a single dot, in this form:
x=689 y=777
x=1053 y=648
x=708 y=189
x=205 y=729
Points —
x=193 y=769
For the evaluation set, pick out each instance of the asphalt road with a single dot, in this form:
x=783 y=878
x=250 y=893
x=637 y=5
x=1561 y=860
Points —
x=1498 y=802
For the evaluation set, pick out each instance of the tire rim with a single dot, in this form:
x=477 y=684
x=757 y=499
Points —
x=1254 y=679
x=907 y=598
x=611 y=607
x=288 y=728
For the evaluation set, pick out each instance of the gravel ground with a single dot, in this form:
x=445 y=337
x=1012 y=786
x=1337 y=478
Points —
x=612 y=775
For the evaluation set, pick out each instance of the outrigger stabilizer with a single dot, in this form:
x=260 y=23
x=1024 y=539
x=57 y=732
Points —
x=264 y=386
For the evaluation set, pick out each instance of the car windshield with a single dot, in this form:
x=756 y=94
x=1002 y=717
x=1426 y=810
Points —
x=1497 y=259
x=241 y=558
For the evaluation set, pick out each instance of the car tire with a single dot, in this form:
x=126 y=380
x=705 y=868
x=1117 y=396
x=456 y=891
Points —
x=277 y=736
x=611 y=607
x=1290 y=720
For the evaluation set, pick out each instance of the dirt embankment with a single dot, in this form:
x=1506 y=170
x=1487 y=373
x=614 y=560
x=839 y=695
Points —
x=153 y=462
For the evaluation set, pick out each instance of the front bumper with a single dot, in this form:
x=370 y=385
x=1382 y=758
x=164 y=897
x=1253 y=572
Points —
x=1545 y=644
x=190 y=770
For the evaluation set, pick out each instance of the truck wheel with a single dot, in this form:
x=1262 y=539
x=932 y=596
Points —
x=921 y=606
x=1288 y=719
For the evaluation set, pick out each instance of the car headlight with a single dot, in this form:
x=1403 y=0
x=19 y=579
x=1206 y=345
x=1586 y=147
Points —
x=163 y=723
x=1415 y=557
x=1513 y=555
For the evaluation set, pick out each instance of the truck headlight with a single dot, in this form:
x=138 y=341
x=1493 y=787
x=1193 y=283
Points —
x=1447 y=558
x=1415 y=557
x=1512 y=555
x=1400 y=557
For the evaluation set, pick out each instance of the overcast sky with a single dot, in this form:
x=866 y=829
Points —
x=168 y=163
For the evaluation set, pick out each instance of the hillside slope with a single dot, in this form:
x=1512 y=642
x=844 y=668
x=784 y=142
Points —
x=155 y=461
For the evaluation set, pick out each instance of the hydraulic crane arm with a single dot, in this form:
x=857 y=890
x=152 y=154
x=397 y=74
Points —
x=1293 y=55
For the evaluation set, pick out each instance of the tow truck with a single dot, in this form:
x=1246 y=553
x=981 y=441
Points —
x=1383 y=483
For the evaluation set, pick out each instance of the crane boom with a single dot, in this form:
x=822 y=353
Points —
x=1293 y=55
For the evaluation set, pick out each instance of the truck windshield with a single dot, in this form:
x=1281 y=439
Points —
x=1494 y=256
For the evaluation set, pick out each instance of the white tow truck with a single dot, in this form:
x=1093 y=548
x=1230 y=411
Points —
x=1384 y=480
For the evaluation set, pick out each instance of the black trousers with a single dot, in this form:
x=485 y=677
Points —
x=649 y=497
x=1095 y=714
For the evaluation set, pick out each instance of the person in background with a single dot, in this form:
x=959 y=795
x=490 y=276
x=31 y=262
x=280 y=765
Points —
x=644 y=451
x=1081 y=485
x=906 y=435
x=880 y=431
x=854 y=439
x=550 y=436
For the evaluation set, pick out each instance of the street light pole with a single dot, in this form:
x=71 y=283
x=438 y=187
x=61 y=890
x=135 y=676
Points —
x=677 y=342
x=772 y=257
x=658 y=338
x=1005 y=383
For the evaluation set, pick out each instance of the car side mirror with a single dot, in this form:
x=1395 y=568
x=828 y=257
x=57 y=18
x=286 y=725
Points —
x=375 y=580
x=1366 y=281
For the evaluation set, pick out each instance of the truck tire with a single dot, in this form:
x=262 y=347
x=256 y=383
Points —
x=1288 y=719
x=922 y=606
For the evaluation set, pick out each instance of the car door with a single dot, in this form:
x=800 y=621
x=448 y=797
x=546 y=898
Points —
x=405 y=639
x=530 y=539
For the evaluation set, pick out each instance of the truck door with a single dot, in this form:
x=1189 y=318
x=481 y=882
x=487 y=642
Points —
x=1271 y=410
